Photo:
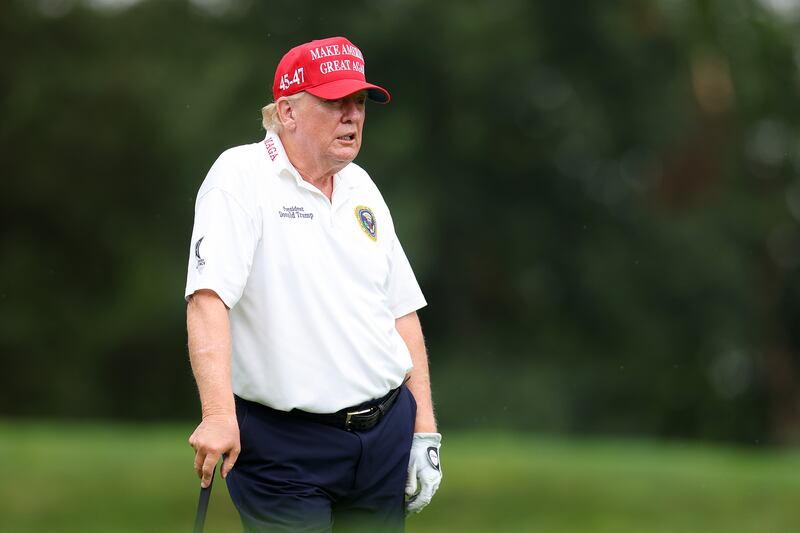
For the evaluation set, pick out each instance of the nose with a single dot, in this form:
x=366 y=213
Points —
x=352 y=110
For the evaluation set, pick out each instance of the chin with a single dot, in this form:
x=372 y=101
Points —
x=346 y=156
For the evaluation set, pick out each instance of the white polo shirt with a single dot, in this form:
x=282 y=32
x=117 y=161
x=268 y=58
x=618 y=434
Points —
x=313 y=286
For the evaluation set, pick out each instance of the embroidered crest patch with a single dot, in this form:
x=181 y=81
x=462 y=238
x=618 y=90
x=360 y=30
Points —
x=366 y=218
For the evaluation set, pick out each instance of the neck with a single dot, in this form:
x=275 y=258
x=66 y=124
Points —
x=313 y=170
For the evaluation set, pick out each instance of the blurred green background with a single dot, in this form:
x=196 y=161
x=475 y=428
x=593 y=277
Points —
x=600 y=200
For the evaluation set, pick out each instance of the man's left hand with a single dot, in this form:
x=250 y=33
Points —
x=424 y=471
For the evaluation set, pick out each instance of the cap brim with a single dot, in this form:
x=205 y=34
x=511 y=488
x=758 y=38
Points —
x=341 y=88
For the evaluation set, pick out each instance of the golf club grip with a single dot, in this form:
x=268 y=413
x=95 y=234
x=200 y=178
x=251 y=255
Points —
x=202 y=504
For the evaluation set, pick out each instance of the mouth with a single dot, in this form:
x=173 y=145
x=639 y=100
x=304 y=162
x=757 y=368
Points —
x=347 y=138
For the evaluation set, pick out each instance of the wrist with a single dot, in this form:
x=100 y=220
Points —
x=218 y=412
x=425 y=424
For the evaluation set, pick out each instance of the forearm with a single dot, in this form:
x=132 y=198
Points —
x=419 y=382
x=210 y=352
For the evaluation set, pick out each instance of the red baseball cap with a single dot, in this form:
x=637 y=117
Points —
x=328 y=68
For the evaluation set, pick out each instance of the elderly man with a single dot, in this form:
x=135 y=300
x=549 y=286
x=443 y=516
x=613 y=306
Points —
x=303 y=333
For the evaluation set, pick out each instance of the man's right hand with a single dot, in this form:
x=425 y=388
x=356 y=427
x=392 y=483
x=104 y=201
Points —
x=215 y=436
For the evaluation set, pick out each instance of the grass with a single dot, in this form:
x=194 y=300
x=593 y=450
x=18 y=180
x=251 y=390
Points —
x=60 y=477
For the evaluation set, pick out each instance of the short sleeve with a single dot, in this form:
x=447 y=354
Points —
x=404 y=294
x=224 y=239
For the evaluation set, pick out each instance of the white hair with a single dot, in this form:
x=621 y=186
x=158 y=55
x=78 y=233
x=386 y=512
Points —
x=269 y=113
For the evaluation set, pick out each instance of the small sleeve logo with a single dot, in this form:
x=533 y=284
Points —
x=200 y=261
x=366 y=218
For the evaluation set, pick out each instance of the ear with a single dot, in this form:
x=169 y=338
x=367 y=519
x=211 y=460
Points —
x=287 y=113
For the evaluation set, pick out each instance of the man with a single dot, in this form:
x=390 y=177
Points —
x=303 y=333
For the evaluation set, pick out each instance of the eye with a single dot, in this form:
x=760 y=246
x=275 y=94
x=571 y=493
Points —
x=359 y=99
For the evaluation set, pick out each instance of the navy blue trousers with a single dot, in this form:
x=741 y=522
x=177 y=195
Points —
x=295 y=475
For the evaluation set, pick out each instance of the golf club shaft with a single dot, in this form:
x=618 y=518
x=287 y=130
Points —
x=202 y=504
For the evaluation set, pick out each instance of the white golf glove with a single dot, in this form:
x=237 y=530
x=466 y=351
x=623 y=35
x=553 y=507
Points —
x=424 y=471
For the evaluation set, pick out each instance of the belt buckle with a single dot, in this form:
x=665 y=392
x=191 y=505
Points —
x=351 y=414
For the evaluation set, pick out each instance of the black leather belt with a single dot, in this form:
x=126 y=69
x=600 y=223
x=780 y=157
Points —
x=357 y=418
